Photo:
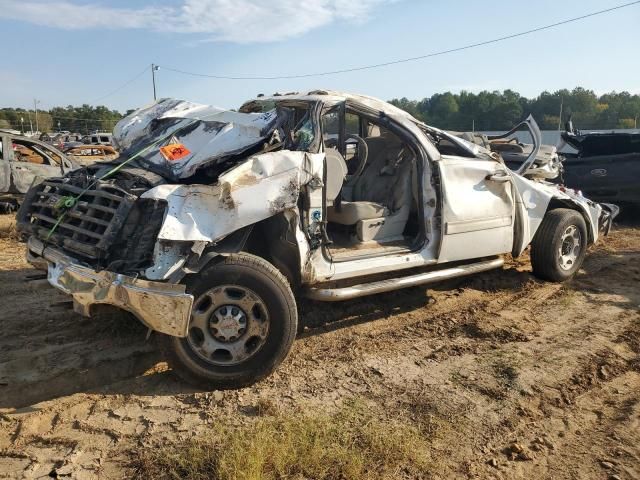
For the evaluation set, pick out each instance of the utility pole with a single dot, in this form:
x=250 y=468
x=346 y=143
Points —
x=154 y=69
x=35 y=107
x=560 y=120
x=22 y=125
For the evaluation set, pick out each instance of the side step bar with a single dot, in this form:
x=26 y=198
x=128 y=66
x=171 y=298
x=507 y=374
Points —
x=362 y=290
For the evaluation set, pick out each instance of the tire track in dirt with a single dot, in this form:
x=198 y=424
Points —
x=480 y=364
x=572 y=425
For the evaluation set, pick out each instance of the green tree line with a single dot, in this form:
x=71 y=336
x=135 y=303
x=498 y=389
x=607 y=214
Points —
x=83 y=119
x=486 y=111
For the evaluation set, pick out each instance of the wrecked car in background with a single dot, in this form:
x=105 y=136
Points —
x=103 y=138
x=212 y=222
x=66 y=141
x=88 y=154
x=22 y=161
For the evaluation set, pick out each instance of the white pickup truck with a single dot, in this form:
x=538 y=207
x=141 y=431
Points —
x=212 y=222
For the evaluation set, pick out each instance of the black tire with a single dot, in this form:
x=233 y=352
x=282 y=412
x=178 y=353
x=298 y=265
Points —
x=271 y=287
x=547 y=245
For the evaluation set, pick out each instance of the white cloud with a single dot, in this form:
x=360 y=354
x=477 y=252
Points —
x=239 y=21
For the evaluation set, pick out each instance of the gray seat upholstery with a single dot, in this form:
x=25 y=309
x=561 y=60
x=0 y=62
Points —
x=336 y=172
x=351 y=212
x=380 y=199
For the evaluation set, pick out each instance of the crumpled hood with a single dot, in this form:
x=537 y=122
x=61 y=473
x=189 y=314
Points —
x=209 y=135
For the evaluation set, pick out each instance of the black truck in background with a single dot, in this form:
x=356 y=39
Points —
x=606 y=167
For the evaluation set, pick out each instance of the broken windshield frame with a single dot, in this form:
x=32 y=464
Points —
x=298 y=119
x=536 y=136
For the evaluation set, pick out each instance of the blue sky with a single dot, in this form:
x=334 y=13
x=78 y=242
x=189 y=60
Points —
x=76 y=51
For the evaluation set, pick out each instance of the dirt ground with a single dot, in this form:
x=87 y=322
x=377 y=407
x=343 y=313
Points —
x=521 y=378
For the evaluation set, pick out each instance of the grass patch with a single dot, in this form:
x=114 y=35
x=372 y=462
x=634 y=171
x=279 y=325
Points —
x=506 y=370
x=567 y=296
x=350 y=444
x=9 y=232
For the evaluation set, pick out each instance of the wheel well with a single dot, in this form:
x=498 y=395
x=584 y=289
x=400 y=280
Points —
x=274 y=240
x=557 y=203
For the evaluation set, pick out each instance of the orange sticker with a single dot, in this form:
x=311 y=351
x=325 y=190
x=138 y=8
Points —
x=174 y=151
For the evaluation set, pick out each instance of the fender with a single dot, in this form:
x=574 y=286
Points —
x=259 y=188
x=534 y=199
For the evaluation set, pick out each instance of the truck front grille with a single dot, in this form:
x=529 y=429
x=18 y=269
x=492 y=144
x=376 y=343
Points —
x=88 y=228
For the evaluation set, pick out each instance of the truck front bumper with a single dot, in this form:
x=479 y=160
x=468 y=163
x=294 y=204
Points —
x=163 y=307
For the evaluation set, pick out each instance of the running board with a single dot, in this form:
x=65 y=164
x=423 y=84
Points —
x=362 y=290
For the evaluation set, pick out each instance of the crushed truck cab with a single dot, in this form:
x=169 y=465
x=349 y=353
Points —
x=211 y=223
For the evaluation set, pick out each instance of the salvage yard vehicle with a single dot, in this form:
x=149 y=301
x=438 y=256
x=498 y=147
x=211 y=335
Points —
x=22 y=161
x=88 y=154
x=64 y=141
x=606 y=166
x=97 y=139
x=212 y=222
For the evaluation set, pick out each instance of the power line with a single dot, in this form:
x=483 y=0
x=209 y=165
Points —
x=405 y=60
x=121 y=86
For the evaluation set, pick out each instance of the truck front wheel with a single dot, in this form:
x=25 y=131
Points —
x=559 y=246
x=243 y=323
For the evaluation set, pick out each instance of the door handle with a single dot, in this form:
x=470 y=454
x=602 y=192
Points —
x=499 y=176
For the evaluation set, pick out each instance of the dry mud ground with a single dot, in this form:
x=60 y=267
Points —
x=519 y=378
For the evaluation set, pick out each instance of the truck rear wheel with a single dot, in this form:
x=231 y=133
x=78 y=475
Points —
x=243 y=323
x=559 y=246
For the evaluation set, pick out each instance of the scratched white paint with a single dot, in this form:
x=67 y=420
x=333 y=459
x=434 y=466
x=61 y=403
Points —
x=258 y=188
x=533 y=198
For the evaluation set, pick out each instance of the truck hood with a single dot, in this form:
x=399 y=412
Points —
x=199 y=135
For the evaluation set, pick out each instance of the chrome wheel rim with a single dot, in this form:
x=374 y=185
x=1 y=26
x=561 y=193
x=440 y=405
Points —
x=570 y=246
x=229 y=325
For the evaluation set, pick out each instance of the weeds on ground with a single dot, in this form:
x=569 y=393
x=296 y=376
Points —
x=506 y=370
x=353 y=443
x=567 y=296
x=9 y=232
